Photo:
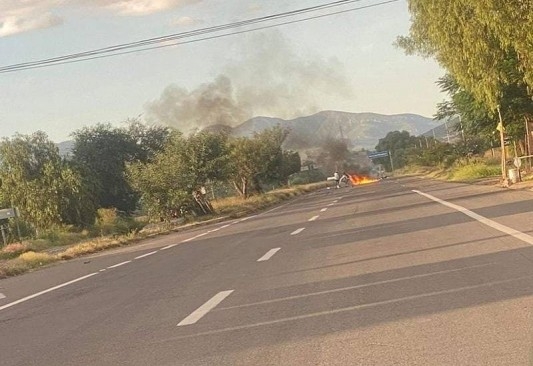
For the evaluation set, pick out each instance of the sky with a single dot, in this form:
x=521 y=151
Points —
x=343 y=62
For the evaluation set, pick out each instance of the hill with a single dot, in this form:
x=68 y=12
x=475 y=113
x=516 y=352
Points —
x=360 y=130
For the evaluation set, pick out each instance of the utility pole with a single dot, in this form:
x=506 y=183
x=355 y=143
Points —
x=528 y=144
x=505 y=181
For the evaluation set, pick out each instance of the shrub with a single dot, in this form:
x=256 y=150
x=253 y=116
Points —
x=475 y=171
x=111 y=222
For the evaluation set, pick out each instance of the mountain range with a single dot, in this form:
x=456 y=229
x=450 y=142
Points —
x=359 y=130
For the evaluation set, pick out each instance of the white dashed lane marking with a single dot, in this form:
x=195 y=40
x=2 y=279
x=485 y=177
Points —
x=145 y=255
x=168 y=247
x=119 y=264
x=298 y=231
x=46 y=291
x=2 y=296
x=324 y=209
x=313 y=218
x=205 y=308
x=268 y=255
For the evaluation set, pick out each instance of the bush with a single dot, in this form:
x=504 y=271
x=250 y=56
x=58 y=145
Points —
x=111 y=222
x=475 y=171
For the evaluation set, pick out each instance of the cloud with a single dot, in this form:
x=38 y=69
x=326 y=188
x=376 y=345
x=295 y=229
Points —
x=17 y=16
x=138 y=7
x=186 y=21
x=23 y=16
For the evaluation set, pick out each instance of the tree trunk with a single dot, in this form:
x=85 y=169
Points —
x=241 y=187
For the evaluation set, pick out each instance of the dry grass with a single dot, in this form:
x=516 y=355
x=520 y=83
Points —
x=19 y=258
x=237 y=206
x=90 y=247
x=13 y=250
x=25 y=262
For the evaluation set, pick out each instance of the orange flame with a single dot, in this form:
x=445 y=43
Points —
x=358 y=179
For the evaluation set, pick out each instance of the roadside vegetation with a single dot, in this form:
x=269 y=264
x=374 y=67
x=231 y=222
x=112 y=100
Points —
x=485 y=48
x=120 y=185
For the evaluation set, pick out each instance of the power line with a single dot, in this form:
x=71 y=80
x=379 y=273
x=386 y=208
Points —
x=118 y=49
x=185 y=34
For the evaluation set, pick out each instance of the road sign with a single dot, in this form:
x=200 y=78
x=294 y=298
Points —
x=378 y=154
x=517 y=162
x=7 y=213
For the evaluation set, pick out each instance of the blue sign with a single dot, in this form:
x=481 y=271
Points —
x=378 y=154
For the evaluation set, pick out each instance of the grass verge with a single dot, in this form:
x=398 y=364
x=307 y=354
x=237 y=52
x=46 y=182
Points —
x=474 y=171
x=18 y=258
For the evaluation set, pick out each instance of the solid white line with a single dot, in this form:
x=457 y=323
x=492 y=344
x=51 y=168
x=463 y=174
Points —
x=247 y=218
x=268 y=255
x=297 y=231
x=186 y=240
x=205 y=308
x=313 y=218
x=2 y=296
x=493 y=224
x=168 y=247
x=324 y=209
x=145 y=255
x=46 y=291
x=225 y=226
x=118 y=264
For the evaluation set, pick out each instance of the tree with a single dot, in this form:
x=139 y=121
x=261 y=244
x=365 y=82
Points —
x=163 y=184
x=48 y=191
x=245 y=164
x=256 y=160
x=398 y=144
x=149 y=139
x=101 y=152
x=206 y=155
x=291 y=163
x=476 y=119
x=475 y=40
x=169 y=184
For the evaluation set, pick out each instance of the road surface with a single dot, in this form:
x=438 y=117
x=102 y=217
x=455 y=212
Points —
x=401 y=272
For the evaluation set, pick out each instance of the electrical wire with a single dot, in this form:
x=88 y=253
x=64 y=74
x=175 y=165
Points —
x=118 y=49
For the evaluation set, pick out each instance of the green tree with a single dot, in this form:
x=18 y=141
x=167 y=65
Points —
x=257 y=160
x=475 y=40
x=48 y=191
x=167 y=184
x=476 y=119
x=206 y=155
x=291 y=163
x=149 y=139
x=398 y=144
x=102 y=153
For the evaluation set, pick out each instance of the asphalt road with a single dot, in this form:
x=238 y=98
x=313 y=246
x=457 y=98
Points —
x=400 y=272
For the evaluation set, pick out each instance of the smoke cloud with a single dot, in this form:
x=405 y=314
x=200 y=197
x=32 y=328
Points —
x=209 y=104
x=268 y=79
